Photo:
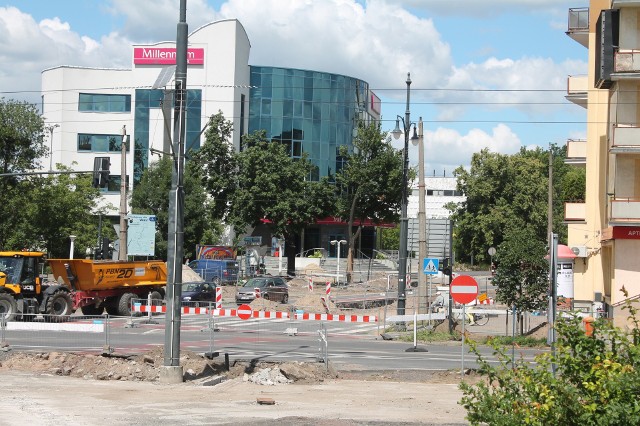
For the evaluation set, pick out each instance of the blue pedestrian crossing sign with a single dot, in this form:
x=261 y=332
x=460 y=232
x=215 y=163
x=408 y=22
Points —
x=430 y=266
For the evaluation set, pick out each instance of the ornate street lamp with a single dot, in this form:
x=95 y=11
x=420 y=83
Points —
x=404 y=225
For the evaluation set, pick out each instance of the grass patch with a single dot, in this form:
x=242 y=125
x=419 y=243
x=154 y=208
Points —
x=526 y=341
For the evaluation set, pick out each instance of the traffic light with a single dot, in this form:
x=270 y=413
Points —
x=101 y=172
x=445 y=266
x=106 y=253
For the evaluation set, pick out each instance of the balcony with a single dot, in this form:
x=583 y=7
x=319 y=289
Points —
x=626 y=64
x=626 y=139
x=576 y=152
x=577 y=90
x=616 y=4
x=579 y=25
x=575 y=212
x=625 y=209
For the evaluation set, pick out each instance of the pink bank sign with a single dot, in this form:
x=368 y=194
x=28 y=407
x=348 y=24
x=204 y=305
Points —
x=165 y=56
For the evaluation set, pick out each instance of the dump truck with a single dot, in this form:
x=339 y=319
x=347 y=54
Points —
x=92 y=286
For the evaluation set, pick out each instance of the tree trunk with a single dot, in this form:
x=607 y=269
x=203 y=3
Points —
x=290 y=252
x=352 y=236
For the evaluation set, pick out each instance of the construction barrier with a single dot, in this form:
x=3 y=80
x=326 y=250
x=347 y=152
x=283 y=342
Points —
x=261 y=314
x=218 y=297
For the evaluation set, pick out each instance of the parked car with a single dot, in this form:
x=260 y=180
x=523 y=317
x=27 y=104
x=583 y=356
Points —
x=216 y=271
x=271 y=288
x=197 y=293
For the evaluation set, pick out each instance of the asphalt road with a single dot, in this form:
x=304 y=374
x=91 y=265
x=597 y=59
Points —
x=349 y=345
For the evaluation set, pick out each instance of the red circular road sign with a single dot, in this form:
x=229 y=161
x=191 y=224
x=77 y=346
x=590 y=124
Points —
x=464 y=289
x=244 y=312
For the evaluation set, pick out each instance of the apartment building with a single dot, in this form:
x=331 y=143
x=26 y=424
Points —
x=604 y=231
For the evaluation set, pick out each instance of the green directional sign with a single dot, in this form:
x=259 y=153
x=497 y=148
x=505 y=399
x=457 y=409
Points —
x=430 y=266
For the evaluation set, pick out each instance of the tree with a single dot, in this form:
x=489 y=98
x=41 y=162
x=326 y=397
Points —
x=21 y=144
x=370 y=183
x=272 y=188
x=216 y=164
x=596 y=380
x=509 y=191
x=522 y=273
x=151 y=196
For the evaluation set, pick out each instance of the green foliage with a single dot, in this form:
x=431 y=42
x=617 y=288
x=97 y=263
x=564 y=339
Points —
x=216 y=165
x=597 y=381
x=21 y=144
x=523 y=341
x=317 y=254
x=370 y=183
x=521 y=275
x=151 y=196
x=390 y=238
x=511 y=191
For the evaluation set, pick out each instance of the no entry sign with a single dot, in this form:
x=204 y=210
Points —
x=464 y=289
x=244 y=312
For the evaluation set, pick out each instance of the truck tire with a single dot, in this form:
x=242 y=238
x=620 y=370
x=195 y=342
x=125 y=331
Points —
x=112 y=310
x=59 y=306
x=91 y=310
x=124 y=304
x=7 y=307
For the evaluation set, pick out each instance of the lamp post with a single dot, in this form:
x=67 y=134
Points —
x=422 y=221
x=50 y=128
x=404 y=225
x=72 y=238
x=338 y=243
x=122 y=248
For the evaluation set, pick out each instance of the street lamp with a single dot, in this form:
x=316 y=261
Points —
x=333 y=243
x=404 y=225
x=50 y=128
x=422 y=220
x=72 y=238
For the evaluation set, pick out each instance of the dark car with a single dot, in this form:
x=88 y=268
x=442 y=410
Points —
x=271 y=288
x=197 y=293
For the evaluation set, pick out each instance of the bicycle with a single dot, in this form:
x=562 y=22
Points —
x=470 y=318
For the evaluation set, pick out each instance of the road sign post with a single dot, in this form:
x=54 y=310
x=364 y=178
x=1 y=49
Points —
x=464 y=289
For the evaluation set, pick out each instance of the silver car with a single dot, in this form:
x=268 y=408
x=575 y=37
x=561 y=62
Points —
x=271 y=288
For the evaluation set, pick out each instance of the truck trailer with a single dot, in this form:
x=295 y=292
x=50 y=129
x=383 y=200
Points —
x=92 y=286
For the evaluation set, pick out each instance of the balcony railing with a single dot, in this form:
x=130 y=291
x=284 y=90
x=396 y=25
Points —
x=626 y=61
x=626 y=136
x=575 y=212
x=578 y=28
x=627 y=209
x=577 y=89
x=576 y=152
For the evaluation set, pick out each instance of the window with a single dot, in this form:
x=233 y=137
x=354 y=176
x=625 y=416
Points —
x=114 y=184
x=100 y=143
x=95 y=102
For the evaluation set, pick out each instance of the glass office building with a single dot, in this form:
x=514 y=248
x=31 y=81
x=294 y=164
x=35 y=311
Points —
x=311 y=112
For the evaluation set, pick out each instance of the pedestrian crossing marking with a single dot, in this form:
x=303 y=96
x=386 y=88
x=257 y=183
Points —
x=430 y=266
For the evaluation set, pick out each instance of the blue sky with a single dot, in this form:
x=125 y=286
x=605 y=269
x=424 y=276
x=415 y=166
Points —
x=503 y=63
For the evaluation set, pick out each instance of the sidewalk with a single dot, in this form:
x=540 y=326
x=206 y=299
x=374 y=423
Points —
x=54 y=400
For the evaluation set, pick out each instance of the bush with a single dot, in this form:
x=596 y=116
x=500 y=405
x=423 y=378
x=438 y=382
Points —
x=596 y=381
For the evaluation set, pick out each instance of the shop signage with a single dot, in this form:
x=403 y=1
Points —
x=165 y=56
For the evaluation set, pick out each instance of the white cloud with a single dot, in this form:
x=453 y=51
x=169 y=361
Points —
x=446 y=149
x=487 y=7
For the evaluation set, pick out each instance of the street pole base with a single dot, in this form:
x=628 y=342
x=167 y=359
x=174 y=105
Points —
x=171 y=374
x=416 y=349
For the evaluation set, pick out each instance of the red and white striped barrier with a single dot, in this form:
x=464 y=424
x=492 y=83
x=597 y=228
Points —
x=257 y=292
x=487 y=301
x=311 y=285
x=218 y=297
x=331 y=317
x=260 y=314
x=328 y=291
x=324 y=303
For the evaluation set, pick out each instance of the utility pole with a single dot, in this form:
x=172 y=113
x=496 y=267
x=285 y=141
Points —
x=50 y=128
x=175 y=249
x=422 y=221
x=122 y=250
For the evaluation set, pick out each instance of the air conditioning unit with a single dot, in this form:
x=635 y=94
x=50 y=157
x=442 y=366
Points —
x=579 y=251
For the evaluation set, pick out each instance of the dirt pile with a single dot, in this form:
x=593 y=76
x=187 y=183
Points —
x=146 y=367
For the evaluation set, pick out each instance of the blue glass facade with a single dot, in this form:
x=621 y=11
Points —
x=310 y=112
x=152 y=98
